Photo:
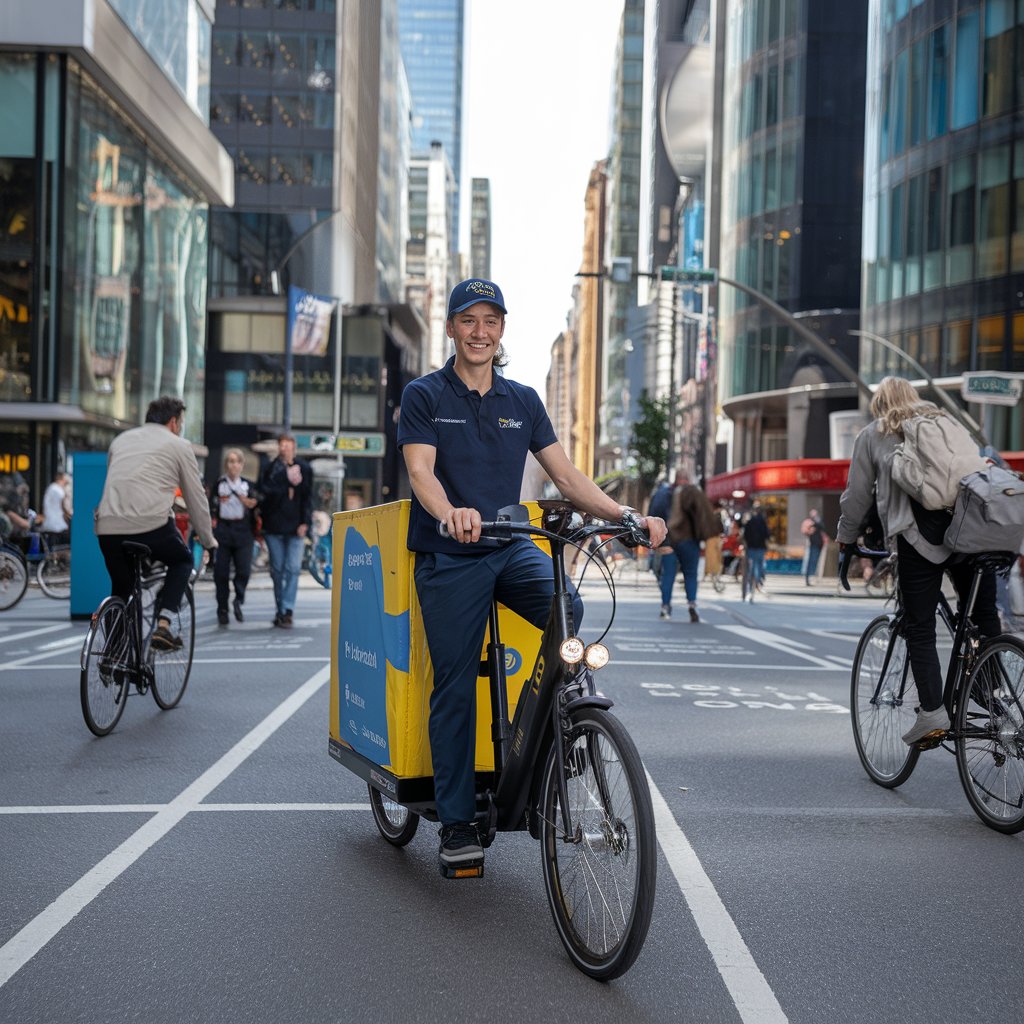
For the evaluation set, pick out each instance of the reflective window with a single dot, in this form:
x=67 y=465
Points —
x=934 y=205
x=966 y=71
x=997 y=90
x=993 y=211
x=1017 y=230
x=918 y=82
x=938 y=81
x=960 y=257
x=915 y=234
x=898 y=102
x=991 y=342
x=956 y=356
x=931 y=346
x=896 y=242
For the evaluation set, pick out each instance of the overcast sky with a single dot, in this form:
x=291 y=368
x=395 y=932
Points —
x=539 y=80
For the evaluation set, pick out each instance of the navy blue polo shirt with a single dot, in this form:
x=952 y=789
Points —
x=481 y=444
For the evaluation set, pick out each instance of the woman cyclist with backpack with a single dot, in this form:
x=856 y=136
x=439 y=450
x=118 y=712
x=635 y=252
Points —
x=917 y=534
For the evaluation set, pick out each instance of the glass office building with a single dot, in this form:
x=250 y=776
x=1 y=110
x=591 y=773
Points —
x=107 y=171
x=432 y=35
x=944 y=193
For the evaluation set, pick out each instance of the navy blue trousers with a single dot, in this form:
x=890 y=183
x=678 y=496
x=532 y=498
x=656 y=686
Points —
x=455 y=594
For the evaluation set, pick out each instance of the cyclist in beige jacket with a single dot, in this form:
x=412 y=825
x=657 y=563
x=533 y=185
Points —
x=146 y=467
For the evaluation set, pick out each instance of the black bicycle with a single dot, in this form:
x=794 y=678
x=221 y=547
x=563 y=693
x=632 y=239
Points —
x=13 y=575
x=983 y=695
x=117 y=653
x=565 y=769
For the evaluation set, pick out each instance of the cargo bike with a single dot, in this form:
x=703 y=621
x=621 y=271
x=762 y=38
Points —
x=551 y=758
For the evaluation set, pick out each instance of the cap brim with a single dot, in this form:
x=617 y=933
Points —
x=476 y=302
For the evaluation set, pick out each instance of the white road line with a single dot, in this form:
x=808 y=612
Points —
x=777 y=643
x=747 y=986
x=833 y=635
x=24 y=663
x=18 y=950
x=818 y=665
x=8 y=637
x=154 y=808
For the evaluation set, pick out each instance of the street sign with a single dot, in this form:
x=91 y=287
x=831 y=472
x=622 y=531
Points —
x=360 y=444
x=992 y=388
x=680 y=275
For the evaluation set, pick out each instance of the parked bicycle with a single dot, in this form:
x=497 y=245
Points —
x=117 y=654
x=52 y=566
x=572 y=776
x=983 y=695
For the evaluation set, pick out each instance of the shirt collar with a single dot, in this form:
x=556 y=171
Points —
x=498 y=384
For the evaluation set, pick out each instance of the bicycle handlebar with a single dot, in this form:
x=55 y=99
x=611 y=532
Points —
x=631 y=536
x=847 y=555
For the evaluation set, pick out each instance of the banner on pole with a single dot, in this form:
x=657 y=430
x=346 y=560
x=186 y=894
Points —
x=309 y=322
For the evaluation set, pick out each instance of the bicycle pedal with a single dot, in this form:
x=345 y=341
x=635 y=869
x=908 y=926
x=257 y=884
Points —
x=931 y=741
x=468 y=869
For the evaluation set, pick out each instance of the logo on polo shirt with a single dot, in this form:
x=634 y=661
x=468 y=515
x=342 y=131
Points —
x=507 y=423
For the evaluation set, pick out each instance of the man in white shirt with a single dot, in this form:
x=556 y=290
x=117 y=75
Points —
x=55 y=525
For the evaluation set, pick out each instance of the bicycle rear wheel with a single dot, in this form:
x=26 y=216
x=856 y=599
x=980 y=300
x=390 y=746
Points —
x=599 y=880
x=53 y=573
x=990 y=735
x=882 y=710
x=395 y=822
x=106 y=666
x=171 y=669
x=13 y=577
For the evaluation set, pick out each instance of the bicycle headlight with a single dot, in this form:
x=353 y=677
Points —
x=596 y=656
x=571 y=650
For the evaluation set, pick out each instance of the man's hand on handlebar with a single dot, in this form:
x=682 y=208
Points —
x=463 y=525
x=656 y=529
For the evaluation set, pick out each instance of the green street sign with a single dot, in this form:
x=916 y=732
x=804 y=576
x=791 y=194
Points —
x=992 y=388
x=680 y=275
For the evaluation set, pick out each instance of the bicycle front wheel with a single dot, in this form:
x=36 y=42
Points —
x=53 y=573
x=107 y=663
x=395 y=822
x=883 y=709
x=171 y=669
x=990 y=735
x=13 y=577
x=599 y=878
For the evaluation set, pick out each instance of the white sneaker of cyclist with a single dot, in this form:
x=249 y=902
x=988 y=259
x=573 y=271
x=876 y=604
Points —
x=929 y=725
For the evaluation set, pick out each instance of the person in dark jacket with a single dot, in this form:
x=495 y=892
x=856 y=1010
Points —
x=692 y=520
x=756 y=536
x=233 y=502
x=286 y=506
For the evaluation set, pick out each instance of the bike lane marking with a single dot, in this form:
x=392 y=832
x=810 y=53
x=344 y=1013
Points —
x=747 y=986
x=777 y=643
x=24 y=945
x=6 y=638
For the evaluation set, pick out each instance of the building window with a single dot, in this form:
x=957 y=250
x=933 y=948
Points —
x=1017 y=356
x=934 y=203
x=915 y=234
x=931 y=346
x=991 y=342
x=997 y=95
x=898 y=104
x=896 y=241
x=1017 y=238
x=918 y=81
x=960 y=258
x=938 y=81
x=993 y=211
x=966 y=70
x=957 y=355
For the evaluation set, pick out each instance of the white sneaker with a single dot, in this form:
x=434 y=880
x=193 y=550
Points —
x=666 y=611
x=929 y=725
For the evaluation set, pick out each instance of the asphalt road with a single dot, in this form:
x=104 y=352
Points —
x=213 y=863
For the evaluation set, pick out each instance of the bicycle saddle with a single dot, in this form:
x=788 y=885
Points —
x=996 y=561
x=131 y=547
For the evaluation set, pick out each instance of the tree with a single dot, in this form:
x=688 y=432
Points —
x=650 y=438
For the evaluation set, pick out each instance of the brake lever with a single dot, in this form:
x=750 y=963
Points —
x=845 y=557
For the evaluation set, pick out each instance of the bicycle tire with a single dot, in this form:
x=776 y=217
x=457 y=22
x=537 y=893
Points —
x=13 y=576
x=606 y=844
x=718 y=583
x=106 y=662
x=878 y=727
x=395 y=822
x=989 y=735
x=171 y=669
x=53 y=573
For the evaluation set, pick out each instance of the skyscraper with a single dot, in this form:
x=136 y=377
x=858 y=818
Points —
x=432 y=36
x=480 y=229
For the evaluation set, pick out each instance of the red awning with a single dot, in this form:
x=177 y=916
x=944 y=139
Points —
x=798 y=475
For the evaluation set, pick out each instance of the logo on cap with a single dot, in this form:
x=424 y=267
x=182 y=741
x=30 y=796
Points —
x=481 y=288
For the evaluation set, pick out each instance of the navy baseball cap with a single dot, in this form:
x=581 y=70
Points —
x=469 y=293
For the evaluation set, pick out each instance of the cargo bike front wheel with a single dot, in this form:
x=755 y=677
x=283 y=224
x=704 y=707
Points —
x=395 y=822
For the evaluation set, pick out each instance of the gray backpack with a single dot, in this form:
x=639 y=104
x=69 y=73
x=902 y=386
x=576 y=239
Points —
x=989 y=513
x=935 y=455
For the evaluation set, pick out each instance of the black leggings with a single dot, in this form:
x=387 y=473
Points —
x=234 y=546
x=920 y=585
x=167 y=546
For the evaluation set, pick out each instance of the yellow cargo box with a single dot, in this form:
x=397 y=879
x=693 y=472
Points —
x=381 y=676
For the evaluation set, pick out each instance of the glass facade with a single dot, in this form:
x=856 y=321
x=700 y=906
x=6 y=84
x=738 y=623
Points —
x=135 y=244
x=791 y=208
x=176 y=34
x=944 y=197
x=432 y=41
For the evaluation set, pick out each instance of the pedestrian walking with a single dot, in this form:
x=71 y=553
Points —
x=663 y=559
x=756 y=536
x=692 y=521
x=55 y=517
x=286 y=507
x=234 y=505
x=816 y=539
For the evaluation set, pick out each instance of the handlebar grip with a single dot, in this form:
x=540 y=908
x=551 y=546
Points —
x=844 y=567
x=442 y=529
